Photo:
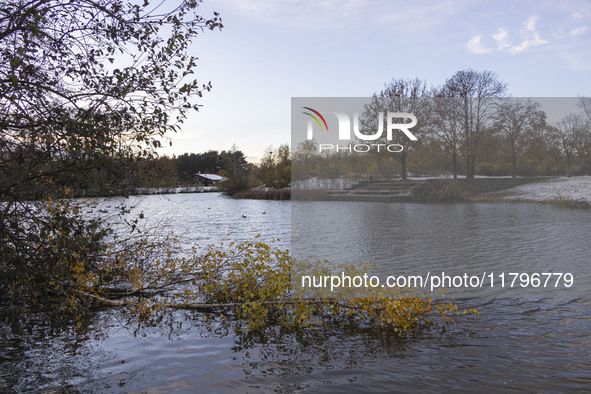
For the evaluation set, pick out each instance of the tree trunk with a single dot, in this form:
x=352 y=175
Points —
x=513 y=160
x=470 y=167
x=454 y=162
x=403 y=166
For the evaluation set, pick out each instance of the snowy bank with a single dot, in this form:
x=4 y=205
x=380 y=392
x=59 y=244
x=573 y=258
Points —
x=569 y=189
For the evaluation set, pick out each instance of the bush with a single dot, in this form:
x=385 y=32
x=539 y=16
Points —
x=550 y=167
x=57 y=260
x=447 y=190
x=493 y=169
x=586 y=169
x=49 y=252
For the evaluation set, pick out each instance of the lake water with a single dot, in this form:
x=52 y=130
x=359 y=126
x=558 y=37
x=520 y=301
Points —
x=527 y=339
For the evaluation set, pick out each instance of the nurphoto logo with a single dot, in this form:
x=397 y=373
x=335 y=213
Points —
x=394 y=121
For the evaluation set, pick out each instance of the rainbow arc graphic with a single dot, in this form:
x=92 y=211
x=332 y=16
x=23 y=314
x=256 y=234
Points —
x=315 y=118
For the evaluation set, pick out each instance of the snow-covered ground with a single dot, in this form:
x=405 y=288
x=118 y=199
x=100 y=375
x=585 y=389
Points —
x=572 y=189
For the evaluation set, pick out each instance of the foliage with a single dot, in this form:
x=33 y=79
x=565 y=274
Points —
x=73 y=264
x=62 y=261
x=189 y=164
x=493 y=169
x=88 y=89
x=235 y=169
x=77 y=96
x=274 y=169
x=257 y=280
x=47 y=251
x=440 y=190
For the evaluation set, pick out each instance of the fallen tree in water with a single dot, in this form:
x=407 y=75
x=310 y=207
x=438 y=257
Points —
x=66 y=265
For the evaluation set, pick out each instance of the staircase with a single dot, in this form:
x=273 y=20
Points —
x=377 y=191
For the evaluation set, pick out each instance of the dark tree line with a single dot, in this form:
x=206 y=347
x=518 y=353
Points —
x=140 y=173
x=188 y=164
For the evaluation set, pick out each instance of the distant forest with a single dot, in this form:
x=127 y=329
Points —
x=131 y=175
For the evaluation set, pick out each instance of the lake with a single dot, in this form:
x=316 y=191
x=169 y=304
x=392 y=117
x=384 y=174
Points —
x=534 y=339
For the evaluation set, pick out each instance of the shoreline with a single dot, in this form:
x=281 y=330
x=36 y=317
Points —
x=573 y=192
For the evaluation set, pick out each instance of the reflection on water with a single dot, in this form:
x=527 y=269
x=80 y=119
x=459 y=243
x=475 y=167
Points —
x=202 y=219
x=413 y=239
x=523 y=339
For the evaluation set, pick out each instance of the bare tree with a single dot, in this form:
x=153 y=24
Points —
x=478 y=91
x=446 y=127
x=567 y=133
x=585 y=105
x=400 y=95
x=517 y=120
x=585 y=149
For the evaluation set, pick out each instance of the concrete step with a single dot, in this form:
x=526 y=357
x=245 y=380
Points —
x=378 y=192
x=391 y=191
x=386 y=184
x=370 y=198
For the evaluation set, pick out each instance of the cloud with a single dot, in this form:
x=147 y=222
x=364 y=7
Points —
x=578 y=15
x=578 y=30
x=501 y=37
x=475 y=46
x=529 y=35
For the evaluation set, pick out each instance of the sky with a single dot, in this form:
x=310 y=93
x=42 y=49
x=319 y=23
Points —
x=272 y=50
